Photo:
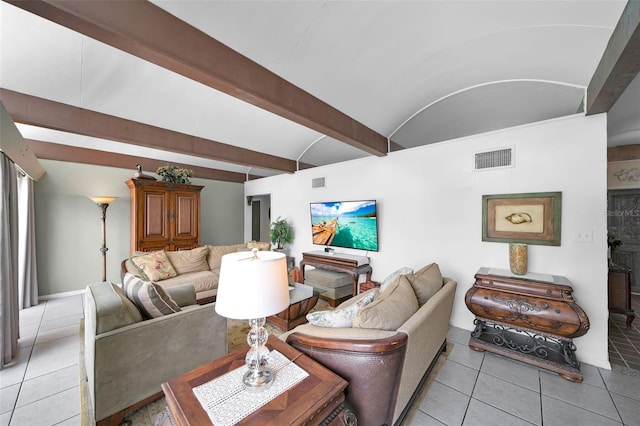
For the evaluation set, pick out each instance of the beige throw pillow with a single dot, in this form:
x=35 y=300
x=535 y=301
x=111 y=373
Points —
x=185 y=261
x=391 y=309
x=426 y=282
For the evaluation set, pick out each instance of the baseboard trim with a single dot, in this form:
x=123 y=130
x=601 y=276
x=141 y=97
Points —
x=60 y=295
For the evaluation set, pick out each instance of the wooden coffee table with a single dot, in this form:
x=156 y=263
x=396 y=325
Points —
x=302 y=299
x=318 y=399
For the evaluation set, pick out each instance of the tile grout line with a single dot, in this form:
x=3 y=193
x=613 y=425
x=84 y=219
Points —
x=614 y=345
x=26 y=368
x=474 y=388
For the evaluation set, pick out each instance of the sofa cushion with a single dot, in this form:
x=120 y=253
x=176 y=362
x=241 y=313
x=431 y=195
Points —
x=394 y=276
x=113 y=309
x=391 y=309
x=216 y=253
x=201 y=281
x=154 y=266
x=341 y=316
x=426 y=282
x=149 y=297
x=326 y=278
x=185 y=261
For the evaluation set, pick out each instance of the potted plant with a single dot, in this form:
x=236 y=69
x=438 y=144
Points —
x=173 y=174
x=281 y=233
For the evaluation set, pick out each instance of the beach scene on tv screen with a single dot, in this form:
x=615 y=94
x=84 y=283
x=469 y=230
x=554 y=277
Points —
x=351 y=224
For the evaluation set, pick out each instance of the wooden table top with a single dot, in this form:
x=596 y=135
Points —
x=321 y=390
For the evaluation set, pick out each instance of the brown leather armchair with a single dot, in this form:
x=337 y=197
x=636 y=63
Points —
x=372 y=367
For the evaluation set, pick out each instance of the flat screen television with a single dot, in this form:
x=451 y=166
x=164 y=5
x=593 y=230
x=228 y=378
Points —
x=349 y=224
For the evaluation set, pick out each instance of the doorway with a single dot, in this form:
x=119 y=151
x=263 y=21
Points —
x=260 y=217
x=255 y=220
x=623 y=222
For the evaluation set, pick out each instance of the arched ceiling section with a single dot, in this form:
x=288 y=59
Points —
x=370 y=65
x=326 y=150
x=381 y=62
x=488 y=107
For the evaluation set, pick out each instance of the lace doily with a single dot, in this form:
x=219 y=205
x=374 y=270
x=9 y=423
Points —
x=226 y=400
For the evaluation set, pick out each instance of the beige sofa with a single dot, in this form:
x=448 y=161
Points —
x=199 y=266
x=386 y=366
x=127 y=358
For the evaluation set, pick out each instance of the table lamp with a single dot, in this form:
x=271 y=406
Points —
x=252 y=286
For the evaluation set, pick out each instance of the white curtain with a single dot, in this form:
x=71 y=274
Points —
x=9 y=320
x=27 y=274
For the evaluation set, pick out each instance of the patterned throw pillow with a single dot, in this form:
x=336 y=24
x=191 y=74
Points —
x=340 y=318
x=149 y=297
x=154 y=266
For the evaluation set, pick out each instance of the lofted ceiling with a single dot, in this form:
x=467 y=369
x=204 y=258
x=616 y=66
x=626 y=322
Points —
x=295 y=84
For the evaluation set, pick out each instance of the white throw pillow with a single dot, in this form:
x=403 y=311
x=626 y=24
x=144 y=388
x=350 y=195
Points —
x=340 y=318
x=394 y=276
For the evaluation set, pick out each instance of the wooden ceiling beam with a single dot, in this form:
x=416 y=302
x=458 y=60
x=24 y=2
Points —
x=41 y=112
x=620 y=62
x=73 y=154
x=150 y=33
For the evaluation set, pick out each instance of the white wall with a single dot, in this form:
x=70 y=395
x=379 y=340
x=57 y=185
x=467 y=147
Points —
x=429 y=203
x=68 y=224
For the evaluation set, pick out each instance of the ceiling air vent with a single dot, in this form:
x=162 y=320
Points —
x=318 y=183
x=499 y=158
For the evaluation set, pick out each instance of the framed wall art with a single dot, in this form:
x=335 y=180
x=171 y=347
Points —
x=623 y=174
x=532 y=218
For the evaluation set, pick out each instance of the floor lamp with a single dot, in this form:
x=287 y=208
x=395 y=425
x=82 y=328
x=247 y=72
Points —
x=103 y=203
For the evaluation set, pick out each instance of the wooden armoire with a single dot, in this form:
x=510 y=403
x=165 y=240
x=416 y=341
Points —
x=164 y=215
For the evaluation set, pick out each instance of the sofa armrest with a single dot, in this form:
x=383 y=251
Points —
x=371 y=366
x=183 y=295
x=127 y=365
x=428 y=330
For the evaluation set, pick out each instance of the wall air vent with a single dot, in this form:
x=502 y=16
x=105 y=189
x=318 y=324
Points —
x=499 y=158
x=320 y=182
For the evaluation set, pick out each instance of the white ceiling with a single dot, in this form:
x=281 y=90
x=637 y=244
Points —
x=415 y=71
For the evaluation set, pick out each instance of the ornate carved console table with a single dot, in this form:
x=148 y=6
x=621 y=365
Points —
x=531 y=318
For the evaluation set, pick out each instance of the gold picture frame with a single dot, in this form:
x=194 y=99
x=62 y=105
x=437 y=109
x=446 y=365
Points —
x=531 y=218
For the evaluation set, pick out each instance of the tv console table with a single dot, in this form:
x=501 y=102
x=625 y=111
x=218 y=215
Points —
x=353 y=265
x=530 y=318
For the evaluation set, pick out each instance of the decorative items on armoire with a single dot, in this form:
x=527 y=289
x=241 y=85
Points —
x=140 y=175
x=174 y=174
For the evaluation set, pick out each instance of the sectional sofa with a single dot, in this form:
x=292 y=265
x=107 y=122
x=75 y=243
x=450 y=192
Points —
x=391 y=346
x=199 y=266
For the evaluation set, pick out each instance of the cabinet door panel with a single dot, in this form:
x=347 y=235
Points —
x=185 y=218
x=155 y=211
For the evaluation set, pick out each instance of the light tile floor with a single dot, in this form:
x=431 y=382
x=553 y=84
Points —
x=624 y=343
x=41 y=387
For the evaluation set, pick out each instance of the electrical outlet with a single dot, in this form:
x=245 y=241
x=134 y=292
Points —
x=584 y=237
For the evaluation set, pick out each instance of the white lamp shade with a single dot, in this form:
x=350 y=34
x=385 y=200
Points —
x=252 y=288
